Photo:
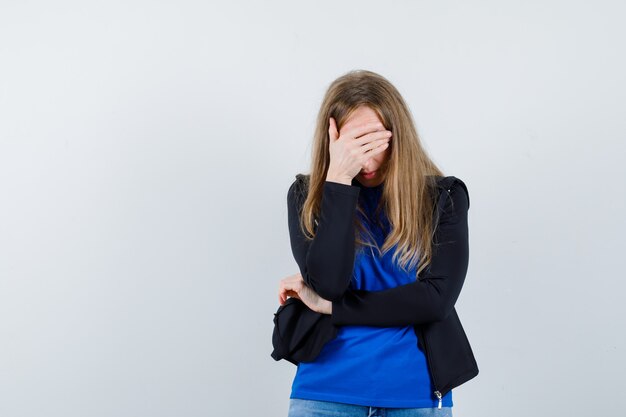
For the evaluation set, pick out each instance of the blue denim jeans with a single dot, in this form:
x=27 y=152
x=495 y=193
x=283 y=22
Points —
x=313 y=408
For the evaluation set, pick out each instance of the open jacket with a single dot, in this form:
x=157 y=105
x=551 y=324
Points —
x=326 y=264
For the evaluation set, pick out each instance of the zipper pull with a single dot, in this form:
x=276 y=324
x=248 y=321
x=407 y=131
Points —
x=438 y=394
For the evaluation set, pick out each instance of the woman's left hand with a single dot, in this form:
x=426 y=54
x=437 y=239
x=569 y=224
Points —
x=294 y=286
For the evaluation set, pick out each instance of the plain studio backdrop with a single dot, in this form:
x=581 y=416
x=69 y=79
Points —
x=146 y=149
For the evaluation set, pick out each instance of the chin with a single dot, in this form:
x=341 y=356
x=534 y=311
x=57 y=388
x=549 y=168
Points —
x=370 y=182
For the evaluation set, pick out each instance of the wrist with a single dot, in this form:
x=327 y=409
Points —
x=339 y=178
x=329 y=307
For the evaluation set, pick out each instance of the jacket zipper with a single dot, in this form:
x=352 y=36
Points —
x=436 y=392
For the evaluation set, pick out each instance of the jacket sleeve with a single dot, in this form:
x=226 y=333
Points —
x=327 y=261
x=433 y=295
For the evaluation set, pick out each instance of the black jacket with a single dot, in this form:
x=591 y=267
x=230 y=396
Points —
x=326 y=264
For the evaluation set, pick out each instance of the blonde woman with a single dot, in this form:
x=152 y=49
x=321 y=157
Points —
x=380 y=236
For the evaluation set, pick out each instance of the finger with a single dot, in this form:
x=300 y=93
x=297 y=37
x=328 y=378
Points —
x=332 y=130
x=373 y=145
x=361 y=130
x=383 y=134
x=375 y=151
x=286 y=294
x=293 y=294
x=293 y=285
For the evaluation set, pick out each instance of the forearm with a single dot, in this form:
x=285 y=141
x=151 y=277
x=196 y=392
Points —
x=326 y=262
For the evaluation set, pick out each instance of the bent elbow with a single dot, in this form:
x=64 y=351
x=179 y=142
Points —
x=330 y=293
x=440 y=314
x=330 y=284
x=329 y=289
x=333 y=295
x=437 y=311
x=445 y=308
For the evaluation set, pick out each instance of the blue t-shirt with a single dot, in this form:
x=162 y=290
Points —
x=367 y=365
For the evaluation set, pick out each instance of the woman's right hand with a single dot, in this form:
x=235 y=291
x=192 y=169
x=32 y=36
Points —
x=353 y=148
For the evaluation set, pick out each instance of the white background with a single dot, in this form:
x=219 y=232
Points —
x=146 y=148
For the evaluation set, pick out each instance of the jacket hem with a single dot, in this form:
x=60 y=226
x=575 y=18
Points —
x=461 y=379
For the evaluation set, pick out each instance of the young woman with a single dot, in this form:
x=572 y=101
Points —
x=380 y=236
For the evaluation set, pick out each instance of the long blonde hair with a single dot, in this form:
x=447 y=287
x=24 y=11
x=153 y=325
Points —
x=408 y=195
